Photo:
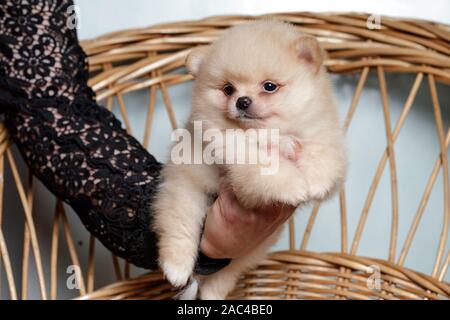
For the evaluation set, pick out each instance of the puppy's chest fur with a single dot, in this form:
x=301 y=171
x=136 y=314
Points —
x=224 y=166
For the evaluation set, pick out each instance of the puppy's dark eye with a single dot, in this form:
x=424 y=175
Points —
x=270 y=87
x=228 y=90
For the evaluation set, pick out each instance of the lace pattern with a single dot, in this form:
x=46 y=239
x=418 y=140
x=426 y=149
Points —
x=77 y=148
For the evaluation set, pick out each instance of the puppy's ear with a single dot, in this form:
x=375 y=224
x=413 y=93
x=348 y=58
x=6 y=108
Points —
x=309 y=50
x=195 y=59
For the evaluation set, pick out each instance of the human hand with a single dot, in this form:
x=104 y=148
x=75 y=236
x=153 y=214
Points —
x=232 y=230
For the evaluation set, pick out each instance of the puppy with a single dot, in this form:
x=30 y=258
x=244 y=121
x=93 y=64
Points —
x=258 y=75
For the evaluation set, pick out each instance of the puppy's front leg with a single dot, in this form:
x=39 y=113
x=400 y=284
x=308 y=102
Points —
x=277 y=179
x=324 y=167
x=179 y=213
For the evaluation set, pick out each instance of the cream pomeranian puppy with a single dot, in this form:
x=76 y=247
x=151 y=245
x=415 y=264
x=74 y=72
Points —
x=258 y=75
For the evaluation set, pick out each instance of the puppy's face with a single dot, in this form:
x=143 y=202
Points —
x=260 y=74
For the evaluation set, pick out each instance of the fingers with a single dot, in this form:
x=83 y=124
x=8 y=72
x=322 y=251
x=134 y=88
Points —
x=230 y=207
x=233 y=212
x=232 y=230
x=297 y=149
x=214 y=239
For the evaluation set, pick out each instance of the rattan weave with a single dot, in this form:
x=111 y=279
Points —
x=152 y=59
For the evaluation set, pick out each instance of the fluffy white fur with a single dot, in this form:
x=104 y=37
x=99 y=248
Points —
x=302 y=109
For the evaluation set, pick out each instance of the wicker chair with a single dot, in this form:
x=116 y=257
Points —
x=151 y=59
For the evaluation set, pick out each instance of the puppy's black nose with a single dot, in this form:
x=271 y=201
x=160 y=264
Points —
x=243 y=103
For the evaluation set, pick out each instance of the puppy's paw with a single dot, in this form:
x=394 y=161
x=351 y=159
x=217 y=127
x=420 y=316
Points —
x=212 y=293
x=292 y=190
x=212 y=296
x=319 y=191
x=324 y=168
x=190 y=292
x=177 y=274
x=295 y=198
x=289 y=147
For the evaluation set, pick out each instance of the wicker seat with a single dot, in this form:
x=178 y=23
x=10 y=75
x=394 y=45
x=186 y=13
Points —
x=151 y=60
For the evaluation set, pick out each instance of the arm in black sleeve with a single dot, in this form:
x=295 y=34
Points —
x=77 y=148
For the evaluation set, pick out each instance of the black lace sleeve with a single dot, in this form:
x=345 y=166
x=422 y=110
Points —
x=77 y=148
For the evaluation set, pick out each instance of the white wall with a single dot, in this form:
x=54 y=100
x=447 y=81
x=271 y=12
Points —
x=416 y=147
x=100 y=16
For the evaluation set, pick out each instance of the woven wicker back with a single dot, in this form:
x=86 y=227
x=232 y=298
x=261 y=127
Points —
x=151 y=60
